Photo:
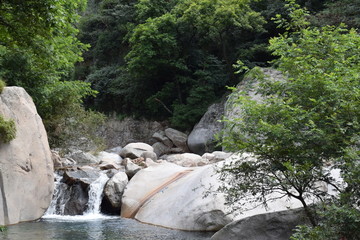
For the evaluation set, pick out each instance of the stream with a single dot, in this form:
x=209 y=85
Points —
x=92 y=225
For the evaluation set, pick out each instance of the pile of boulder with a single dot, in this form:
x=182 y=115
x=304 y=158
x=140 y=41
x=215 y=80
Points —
x=79 y=169
x=174 y=190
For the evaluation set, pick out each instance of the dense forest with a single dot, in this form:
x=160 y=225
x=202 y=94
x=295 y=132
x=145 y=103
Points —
x=170 y=59
x=143 y=58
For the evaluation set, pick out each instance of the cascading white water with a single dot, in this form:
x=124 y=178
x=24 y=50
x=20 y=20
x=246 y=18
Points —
x=62 y=195
x=57 y=204
x=96 y=194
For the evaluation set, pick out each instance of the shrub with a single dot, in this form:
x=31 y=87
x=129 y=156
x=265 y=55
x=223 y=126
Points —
x=2 y=85
x=7 y=130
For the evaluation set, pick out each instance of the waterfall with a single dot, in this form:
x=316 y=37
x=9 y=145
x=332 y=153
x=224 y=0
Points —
x=96 y=194
x=62 y=195
x=58 y=201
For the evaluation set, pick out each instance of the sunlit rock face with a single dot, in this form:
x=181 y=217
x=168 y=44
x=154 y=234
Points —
x=186 y=198
x=172 y=196
x=26 y=167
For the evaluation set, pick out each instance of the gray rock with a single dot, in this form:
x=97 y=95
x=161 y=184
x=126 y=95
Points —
x=161 y=149
x=268 y=226
x=56 y=159
x=84 y=176
x=111 y=172
x=26 y=167
x=60 y=162
x=130 y=168
x=78 y=198
x=202 y=137
x=116 y=150
x=178 y=138
x=82 y=158
x=121 y=132
x=107 y=166
x=114 y=189
x=177 y=150
x=134 y=150
x=109 y=161
x=150 y=155
x=161 y=137
x=76 y=185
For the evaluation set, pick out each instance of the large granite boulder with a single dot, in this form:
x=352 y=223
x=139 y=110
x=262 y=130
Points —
x=26 y=167
x=169 y=195
x=202 y=137
x=114 y=190
x=250 y=86
x=268 y=226
x=177 y=197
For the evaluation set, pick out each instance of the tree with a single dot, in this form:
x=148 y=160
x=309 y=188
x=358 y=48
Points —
x=38 y=50
x=182 y=49
x=304 y=122
x=336 y=12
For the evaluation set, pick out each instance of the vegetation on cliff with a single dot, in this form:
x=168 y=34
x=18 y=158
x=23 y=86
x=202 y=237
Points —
x=7 y=127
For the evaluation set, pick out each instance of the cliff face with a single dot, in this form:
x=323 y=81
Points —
x=26 y=168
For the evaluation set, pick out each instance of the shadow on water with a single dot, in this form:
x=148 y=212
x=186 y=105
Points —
x=106 y=228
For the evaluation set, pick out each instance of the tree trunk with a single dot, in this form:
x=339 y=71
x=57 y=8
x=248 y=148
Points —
x=308 y=211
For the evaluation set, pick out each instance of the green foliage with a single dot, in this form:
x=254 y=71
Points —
x=150 y=57
x=336 y=12
x=303 y=121
x=183 y=49
x=38 y=50
x=2 y=85
x=3 y=228
x=297 y=15
x=116 y=91
x=7 y=130
x=337 y=222
x=146 y=9
x=196 y=105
